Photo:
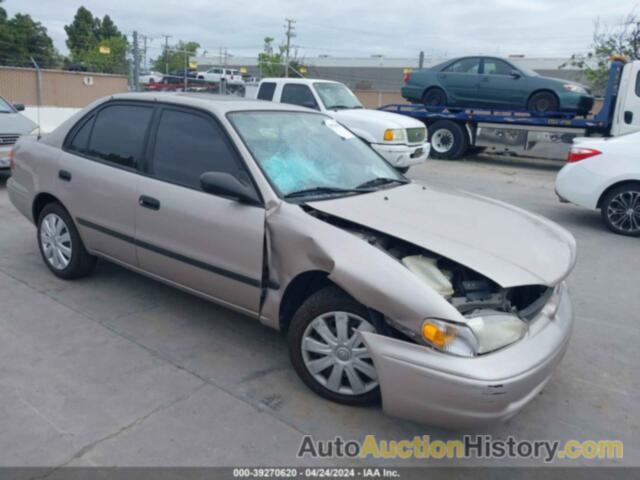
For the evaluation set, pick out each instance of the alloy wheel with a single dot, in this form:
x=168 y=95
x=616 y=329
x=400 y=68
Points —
x=623 y=211
x=55 y=240
x=335 y=355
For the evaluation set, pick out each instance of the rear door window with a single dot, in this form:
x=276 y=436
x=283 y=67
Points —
x=296 y=94
x=266 y=90
x=465 y=65
x=118 y=134
x=188 y=144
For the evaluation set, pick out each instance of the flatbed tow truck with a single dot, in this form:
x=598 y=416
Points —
x=454 y=132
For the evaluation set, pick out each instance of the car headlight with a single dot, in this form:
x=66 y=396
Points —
x=571 y=87
x=484 y=333
x=394 y=135
x=449 y=337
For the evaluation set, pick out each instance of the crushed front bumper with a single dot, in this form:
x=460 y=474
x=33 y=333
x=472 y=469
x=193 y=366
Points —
x=403 y=156
x=430 y=387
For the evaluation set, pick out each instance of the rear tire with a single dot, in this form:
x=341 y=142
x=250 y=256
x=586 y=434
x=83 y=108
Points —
x=60 y=244
x=434 y=97
x=449 y=140
x=316 y=342
x=543 y=102
x=620 y=210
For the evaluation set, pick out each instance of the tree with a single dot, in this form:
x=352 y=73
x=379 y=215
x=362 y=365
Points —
x=113 y=62
x=174 y=58
x=22 y=38
x=85 y=37
x=622 y=38
x=82 y=33
x=108 y=29
x=271 y=63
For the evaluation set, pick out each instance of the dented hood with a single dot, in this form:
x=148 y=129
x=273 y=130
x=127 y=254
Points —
x=502 y=242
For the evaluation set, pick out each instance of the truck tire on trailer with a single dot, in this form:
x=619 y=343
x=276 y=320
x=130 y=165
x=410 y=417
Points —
x=449 y=140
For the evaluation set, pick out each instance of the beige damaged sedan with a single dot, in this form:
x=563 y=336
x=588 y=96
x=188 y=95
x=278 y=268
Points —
x=450 y=307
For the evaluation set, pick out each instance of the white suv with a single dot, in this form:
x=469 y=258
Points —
x=219 y=74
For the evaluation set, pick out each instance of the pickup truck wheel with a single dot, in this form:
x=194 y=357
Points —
x=434 y=97
x=327 y=350
x=542 y=102
x=448 y=140
x=621 y=210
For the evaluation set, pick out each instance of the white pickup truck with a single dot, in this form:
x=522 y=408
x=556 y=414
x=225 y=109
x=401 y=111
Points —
x=401 y=140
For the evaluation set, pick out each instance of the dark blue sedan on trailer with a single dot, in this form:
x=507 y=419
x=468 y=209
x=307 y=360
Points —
x=493 y=83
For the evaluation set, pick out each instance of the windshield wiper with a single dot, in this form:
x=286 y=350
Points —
x=376 y=182
x=320 y=190
x=340 y=107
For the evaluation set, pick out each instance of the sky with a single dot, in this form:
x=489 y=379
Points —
x=345 y=28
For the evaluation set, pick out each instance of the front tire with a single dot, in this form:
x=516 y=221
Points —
x=449 y=140
x=60 y=244
x=620 y=210
x=328 y=352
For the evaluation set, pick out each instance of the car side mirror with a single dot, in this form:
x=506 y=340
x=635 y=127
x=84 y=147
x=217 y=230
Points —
x=515 y=74
x=226 y=185
x=19 y=106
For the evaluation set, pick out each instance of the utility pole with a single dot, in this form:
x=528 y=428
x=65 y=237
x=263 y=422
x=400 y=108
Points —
x=290 y=35
x=145 y=63
x=136 y=62
x=166 y=54
x=421 y=60
x=186 y=68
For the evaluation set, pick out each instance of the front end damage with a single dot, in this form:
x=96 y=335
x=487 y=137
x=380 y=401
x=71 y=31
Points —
x=471 y=380
x=463 y=389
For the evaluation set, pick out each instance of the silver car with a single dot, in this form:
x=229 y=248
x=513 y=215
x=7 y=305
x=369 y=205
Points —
x=12 y=125
x=449 y=307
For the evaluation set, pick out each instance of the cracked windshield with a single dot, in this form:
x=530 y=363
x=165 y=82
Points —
x=307 y=153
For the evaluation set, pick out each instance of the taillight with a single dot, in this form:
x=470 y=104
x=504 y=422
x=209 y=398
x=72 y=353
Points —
x=407 y=77
x=580 y=153
x=12 y=159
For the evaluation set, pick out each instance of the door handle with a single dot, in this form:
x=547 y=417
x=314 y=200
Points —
x=628 y=117
x=149 y=202
x=64 y=175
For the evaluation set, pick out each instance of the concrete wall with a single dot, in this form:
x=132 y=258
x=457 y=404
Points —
x=59 y=88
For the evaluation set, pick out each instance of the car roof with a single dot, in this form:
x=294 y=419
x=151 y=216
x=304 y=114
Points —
x=219 y=104
x=303 y=81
